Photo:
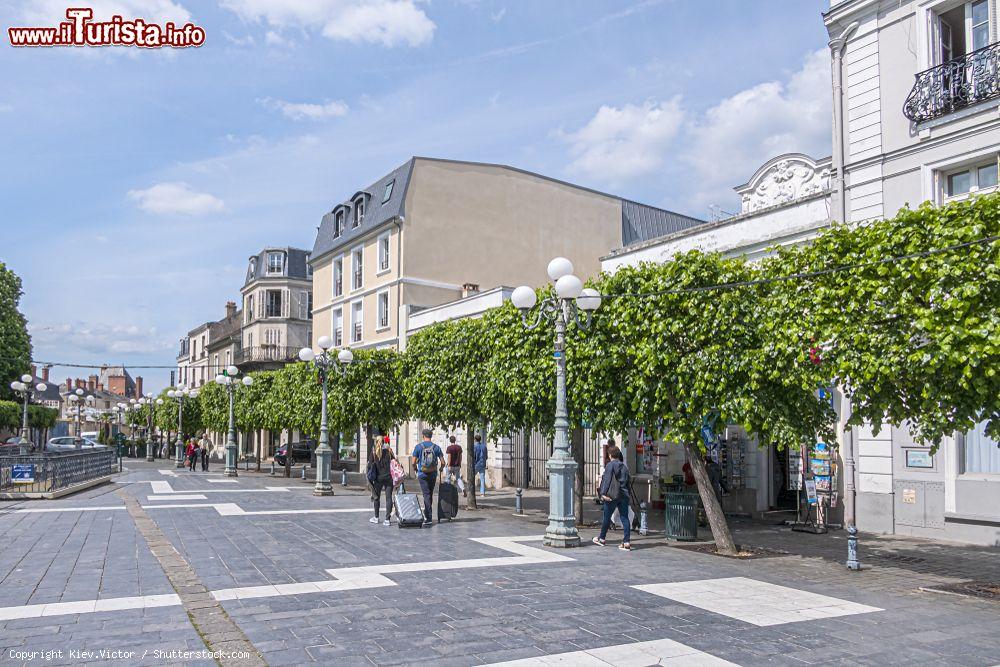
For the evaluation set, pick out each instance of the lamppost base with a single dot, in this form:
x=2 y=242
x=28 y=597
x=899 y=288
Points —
x=149 y=459
x=231 y=472
x=323 y=489
x=561 y=541
x=180 y=464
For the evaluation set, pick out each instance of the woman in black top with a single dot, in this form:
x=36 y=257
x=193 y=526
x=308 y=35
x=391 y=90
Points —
x=382 y=456
x=614 y=493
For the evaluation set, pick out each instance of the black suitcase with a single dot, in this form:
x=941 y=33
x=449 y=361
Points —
x=447 y=501
x=408 y=512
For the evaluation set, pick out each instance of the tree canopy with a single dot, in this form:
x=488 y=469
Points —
x=15 y=343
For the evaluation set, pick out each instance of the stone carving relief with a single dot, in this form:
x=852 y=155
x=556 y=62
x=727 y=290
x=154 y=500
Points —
x=784 y=181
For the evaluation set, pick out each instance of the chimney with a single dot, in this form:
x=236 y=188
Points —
x=45 y=374
x=468 y=289
x=80 y=384
x=100 y=386
x=138 y=386
x=34 y=371
x=230 y=309
x=69 y=384
x=92 y=383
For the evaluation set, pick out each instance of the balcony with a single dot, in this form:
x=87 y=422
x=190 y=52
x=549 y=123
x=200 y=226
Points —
x=262 y=354
x=956 y=84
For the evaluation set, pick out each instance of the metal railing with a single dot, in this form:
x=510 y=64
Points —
x=52 y=471
x=954 y=85
x=261 y=353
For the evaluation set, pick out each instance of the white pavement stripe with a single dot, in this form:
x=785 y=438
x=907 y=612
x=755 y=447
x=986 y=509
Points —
x=163 y=488
x=756 y=602
x=373 y=576
x=45 y=510
x=224 y=509
x=168 y=473
x=179 y=496
x=346 y=579
x=222 y=481
x=639 y=654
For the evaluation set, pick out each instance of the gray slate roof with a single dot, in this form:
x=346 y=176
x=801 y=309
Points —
x=295 y=264
x=112 y=371
x=376 y=213
x=224 y=330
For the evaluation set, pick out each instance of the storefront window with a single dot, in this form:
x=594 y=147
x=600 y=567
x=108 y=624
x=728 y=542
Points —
x=982 y=453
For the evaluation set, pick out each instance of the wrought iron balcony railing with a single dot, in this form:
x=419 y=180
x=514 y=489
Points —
x=265 y=353
x=954 y=85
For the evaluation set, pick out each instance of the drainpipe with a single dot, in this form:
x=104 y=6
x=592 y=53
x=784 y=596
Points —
x=837 y=51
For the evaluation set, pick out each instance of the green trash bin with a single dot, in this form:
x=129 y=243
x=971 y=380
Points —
x=681 y=511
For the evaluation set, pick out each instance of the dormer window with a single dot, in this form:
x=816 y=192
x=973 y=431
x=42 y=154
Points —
x=275 y=263
x=253 y=268
x=359 y=211
x=388 y=191
x=338 y=227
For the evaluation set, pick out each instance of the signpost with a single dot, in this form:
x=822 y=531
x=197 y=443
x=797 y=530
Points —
x=23 y=473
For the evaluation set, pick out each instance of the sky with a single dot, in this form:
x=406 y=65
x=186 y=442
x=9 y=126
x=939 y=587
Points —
x=138 y=182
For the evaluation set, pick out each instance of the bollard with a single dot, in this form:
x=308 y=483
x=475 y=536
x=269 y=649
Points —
x=272 y=469
x=852 y=549
x=343 y=476
x=303 y=471
x=643 y=518
x=518 y=508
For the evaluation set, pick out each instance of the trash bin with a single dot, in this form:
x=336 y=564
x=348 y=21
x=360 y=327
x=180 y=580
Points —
x=681 y=511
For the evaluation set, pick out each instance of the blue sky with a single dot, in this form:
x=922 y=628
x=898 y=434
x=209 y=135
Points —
x=136 y=184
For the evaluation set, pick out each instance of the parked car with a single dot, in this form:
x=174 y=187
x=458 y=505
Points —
x=301 y=452
x=70 y=443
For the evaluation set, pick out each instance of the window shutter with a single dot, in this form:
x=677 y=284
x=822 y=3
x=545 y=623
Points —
x=285 y=296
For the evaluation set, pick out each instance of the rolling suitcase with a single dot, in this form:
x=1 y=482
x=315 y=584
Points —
x=408 y=512
x=447 y=501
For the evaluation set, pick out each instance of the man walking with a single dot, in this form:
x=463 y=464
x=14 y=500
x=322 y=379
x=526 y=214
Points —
x=480 y=454
x=428 y=460
x=206 y=446
x=454 y=453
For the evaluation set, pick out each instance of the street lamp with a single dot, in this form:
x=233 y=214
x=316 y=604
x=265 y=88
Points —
x=324 y=361
x=576 y=303
x=227 y=379
x=75 y=398
x=148 y=400
x=24 y=387
x=180 y=395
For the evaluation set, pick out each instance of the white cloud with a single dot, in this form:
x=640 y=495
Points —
x=498 y=16
x=5 y=108
x=743 y=131
x=622 y=143
x=175 y=199
x=246 y=40
x=385 y=22
x=51 y=12
x=100 y=339
x=307 y=110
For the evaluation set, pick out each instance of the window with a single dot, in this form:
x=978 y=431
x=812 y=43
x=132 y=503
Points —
x=979 y=24
x=975 y=178
x=338 y=276
x=249 y=340
x=309 y=268
x=359 y=211
x=383 y=310
x=357 y=321
x=249 y=308
x=388 y=191
x=275 y=263
x=253 y=267
x=338 y=327
x=338 y=227
x=305 y=305
x=357 y=269
x=272 y=303
x=383 y=253
x=981 y=453
x=229 y=357
x=963 y=29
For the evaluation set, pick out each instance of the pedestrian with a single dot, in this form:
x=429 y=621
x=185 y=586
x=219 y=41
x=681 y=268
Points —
x=428 y=459
x=381 y=463
x=188 y=451
x=454 y=471
x=480 y=453
x=614 y=493
x=204 y=453
x=195 y=452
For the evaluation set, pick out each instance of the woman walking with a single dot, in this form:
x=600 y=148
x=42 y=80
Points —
x=614 y=493
x=381 y=463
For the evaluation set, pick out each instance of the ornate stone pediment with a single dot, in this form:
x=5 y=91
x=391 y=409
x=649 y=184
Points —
x=783 y=179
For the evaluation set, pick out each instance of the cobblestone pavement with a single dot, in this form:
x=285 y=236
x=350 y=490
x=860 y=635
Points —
x=309 y=579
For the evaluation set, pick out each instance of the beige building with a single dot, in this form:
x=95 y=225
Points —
x=433 y=231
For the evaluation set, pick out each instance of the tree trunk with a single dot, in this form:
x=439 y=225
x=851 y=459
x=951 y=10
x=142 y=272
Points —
x=713 y=510
x=288 y=460
x=576 y=447
x=470 y=466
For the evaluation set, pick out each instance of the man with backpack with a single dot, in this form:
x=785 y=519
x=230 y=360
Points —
x=428 y=460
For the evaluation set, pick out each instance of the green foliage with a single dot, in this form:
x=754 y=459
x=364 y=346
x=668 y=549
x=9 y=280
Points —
x=165 y=415
x=915 y=340
x=38 y=416
x=369 y=393
x=213 y=403
x=15 y=344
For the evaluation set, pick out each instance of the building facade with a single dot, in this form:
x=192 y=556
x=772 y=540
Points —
x=917 y=118
x=434 y=231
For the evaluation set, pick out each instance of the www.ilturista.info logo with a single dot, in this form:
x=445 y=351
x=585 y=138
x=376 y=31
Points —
x=81 y=30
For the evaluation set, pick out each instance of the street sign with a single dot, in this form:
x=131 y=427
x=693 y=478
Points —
x=23 y=473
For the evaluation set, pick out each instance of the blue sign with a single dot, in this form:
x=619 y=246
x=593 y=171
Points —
x=23 y=473
x=557 y=355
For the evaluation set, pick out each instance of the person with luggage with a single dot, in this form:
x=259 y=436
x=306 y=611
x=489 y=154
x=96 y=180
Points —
x=380 y=476
x=480 y=453
x=428 y=459
x=614 y=493
x=453 y=473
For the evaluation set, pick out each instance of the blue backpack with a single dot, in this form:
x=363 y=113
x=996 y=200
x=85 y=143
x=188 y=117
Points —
x=428 y=459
